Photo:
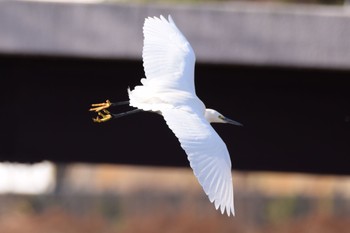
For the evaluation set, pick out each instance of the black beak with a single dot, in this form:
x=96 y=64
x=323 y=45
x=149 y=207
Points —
x=227 y=120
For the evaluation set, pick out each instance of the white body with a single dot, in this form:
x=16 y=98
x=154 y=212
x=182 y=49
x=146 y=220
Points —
x=168 y=89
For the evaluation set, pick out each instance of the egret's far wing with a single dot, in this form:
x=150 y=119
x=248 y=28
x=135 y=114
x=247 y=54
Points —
x=168 y=58
x=207 y=153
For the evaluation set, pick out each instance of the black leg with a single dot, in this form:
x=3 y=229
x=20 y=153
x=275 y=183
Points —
x=114 y=116
x=101 y=106
x=120 y=103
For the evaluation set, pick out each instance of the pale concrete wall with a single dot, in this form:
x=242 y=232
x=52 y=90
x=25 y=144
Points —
x=248 y=34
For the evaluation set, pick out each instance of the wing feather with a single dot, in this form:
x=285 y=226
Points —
x=168 y=57
x=207 y=153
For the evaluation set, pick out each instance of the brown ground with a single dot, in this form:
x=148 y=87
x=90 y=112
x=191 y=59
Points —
x=116 y=199
x=150 y=215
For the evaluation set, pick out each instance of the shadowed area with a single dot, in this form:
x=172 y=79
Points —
x=294 y=120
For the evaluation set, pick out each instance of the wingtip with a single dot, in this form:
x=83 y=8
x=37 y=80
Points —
x=232 y=211
x=162 y=17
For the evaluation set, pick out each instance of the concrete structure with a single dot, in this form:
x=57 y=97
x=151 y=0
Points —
x=248 y=34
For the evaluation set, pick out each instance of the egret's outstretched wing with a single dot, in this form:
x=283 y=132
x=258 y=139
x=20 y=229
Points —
x=207 y=154
x=168 y=58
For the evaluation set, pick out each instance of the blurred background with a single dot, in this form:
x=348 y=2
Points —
x=280 y=67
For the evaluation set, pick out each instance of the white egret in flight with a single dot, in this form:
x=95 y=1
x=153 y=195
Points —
x=168 y=89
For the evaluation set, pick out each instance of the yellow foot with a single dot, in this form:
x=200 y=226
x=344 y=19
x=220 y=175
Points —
x=102 y=116
x=100 y=106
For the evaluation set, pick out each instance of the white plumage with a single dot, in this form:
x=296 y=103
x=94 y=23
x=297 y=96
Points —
x=168 y=89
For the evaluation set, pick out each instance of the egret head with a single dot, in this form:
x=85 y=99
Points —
x=214 y=116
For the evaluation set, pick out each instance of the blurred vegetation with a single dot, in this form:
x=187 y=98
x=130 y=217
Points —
x=325 y=2
x=146 y=211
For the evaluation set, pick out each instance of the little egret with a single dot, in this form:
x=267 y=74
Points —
x=168 y=89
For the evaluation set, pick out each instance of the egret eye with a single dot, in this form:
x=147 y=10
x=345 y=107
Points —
x=221 y=117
